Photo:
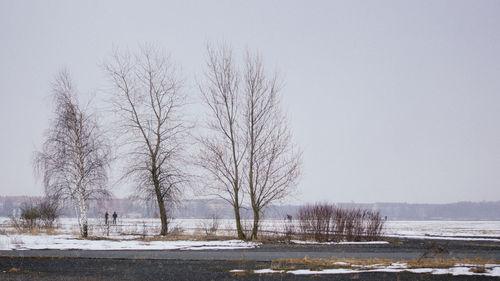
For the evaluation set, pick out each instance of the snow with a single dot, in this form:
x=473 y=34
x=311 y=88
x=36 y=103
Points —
x=339 y=243
x=495 y=271
x=326 y=271
x=397 y=265
x=267 y=271
x=458 y=270
x=415 y=229
x=452 y=230
x=67 y=242
x=131 y=234
x=492 y=270
x=445 y=238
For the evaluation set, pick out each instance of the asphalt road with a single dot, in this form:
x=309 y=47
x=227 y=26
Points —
x=397 y=249
x=83 y=269
x=217 y=264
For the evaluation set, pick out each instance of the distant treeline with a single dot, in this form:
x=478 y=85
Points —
x=204 y=208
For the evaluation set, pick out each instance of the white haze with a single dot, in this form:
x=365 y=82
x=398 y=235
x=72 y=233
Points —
x=390 y=100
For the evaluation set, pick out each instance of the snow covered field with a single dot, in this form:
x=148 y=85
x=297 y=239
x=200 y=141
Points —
x=127 y=234
x=136 y=233
x=148 y=227
x=481 y=230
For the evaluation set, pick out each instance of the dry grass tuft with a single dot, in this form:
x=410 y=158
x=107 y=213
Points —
x=97 y=238
x=319 y=264
x=33 y=231
x=449 y=262
x=172 y=237
x=478 y=269
x=269 y=238
x=14 y=270
x=169 y=237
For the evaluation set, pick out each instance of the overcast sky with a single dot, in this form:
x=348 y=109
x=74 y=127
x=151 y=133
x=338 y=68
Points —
x=389 y=100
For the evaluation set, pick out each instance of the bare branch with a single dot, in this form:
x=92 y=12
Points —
x=75 y=155
x=147 y=100
x=272 y=162
x=222 y=153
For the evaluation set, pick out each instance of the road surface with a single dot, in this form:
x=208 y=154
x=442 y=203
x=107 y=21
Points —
x=217 y=264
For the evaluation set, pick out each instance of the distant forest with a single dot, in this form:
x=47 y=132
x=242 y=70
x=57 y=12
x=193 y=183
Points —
x=204 y=208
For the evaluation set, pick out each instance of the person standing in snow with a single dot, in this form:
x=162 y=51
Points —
x=106 y=215
x=114 y=217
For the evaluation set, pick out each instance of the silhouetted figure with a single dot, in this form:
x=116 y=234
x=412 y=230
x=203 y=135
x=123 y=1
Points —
x=114 y=217
x=106 y=216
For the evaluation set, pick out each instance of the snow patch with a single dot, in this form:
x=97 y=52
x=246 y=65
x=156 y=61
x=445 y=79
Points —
x=302 y=242
x=267 y=271
x=67 y=242
x=492 y=270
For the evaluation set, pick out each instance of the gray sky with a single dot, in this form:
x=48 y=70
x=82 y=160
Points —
x=390 y=100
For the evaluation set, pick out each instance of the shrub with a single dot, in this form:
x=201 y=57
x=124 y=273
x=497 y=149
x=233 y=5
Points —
x=327 y=222
x=211 y=225
x=289 y=228
x=49 y=212
x=38 y=214
x=314 y=221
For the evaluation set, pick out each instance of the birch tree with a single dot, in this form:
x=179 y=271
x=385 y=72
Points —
x=75 y=155
x=148 y=100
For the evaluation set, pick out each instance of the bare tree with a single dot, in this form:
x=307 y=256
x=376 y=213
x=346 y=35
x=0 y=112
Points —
x=75 y=155
x=222 y=152
x=249 y=150
x=147 y=99
x=272 y=161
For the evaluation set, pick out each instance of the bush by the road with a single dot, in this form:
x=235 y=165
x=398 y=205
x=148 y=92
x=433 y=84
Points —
x=327 y=222
x=37 y=215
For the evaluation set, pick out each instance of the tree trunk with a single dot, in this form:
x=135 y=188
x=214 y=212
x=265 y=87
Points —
x=82 y=203
x=163 y=217
x=76 y=204
x=256 y=218
x=237 y=217
x=84 y=219
x=239 y=229
x=161 y=207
